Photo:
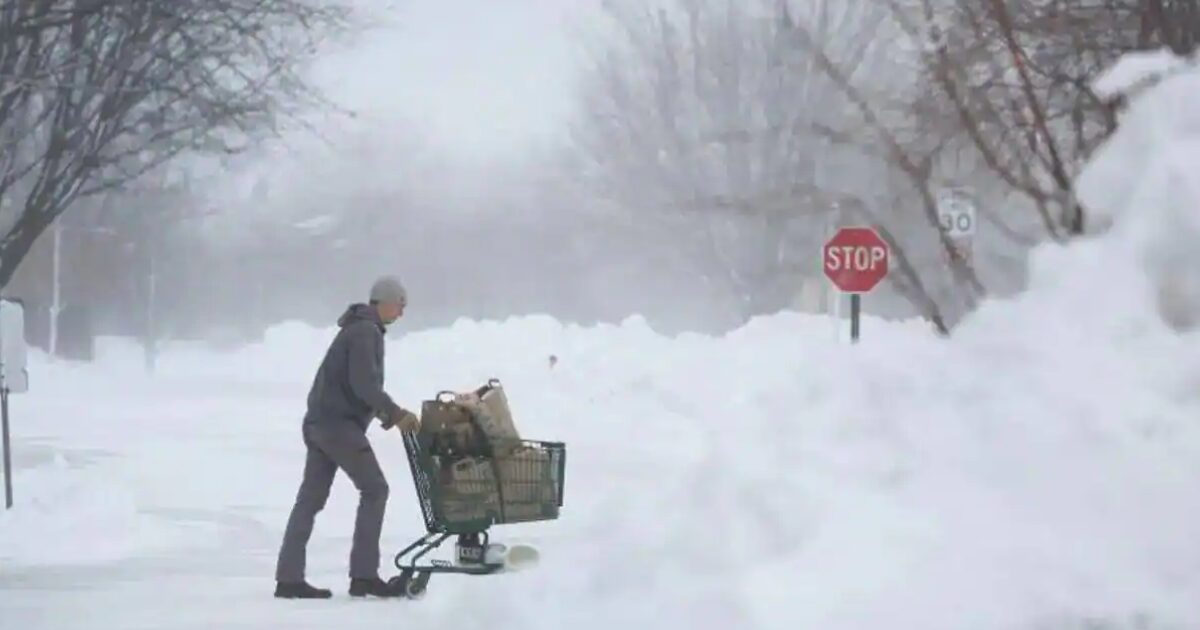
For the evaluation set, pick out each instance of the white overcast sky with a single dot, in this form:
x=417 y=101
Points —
x=481 y=78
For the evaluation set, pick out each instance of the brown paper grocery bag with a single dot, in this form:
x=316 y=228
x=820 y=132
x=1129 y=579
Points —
x=526 y=477
x=448 y=423
x=496 y=403
x=495 y=418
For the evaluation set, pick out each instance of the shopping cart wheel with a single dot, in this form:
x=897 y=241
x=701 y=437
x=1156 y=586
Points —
x=416 y=586
x=399 y=582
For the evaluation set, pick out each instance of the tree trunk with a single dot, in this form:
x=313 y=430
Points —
x=18 y=242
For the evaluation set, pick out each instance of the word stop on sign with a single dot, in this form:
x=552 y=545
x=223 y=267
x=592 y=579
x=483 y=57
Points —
x=855 y=258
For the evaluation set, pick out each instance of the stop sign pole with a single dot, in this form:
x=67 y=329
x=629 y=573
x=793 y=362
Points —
x=856 y=261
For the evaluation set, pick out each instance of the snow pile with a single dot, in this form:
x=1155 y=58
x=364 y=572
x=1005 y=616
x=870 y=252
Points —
x=1145 y=180
x=1040 y=471
x=1136 y=70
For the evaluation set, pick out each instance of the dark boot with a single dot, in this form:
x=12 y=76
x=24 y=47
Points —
x=361 y=587
x=300 y=590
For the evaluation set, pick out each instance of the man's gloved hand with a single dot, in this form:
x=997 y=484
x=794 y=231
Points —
x=404 y=420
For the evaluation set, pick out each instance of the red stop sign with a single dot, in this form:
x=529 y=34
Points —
x=856 y=259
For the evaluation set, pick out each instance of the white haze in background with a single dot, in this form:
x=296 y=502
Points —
x=455 y=168
x=448 y=167
x=484 y=80
x=465 y=82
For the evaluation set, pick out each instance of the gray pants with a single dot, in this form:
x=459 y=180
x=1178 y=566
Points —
x=333 y=445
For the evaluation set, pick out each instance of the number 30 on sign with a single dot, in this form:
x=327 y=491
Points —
x=956 y=213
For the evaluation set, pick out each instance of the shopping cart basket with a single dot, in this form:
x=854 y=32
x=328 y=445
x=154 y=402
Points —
x=465 y=486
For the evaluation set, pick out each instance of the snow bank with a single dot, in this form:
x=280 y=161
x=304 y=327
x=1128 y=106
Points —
x=1040 y=471
x=1136 y=70
x=1145 y=180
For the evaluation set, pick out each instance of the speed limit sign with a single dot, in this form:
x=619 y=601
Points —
x=956 y=213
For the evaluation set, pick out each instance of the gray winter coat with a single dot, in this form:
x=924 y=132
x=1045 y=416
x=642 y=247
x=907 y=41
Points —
x=349 y=384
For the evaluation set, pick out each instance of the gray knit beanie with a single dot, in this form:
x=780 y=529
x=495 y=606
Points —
x=388 y=290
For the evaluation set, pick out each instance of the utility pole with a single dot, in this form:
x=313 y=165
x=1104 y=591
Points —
x=151 y=347
x=8 y=484
x=56 y=289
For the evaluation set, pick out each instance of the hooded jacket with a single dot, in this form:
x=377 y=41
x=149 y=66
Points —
x=348 y=386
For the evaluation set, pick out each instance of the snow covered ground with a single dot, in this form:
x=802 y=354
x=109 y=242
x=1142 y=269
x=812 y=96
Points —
x=1039 y=472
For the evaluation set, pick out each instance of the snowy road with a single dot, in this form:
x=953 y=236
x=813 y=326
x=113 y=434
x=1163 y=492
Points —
x=159 y=503
x=163 y=508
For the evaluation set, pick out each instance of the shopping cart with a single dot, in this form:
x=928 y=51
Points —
x=466 y=483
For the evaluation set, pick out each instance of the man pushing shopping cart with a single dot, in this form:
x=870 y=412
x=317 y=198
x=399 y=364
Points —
x=470 y=468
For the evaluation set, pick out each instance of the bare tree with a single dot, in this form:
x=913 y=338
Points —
x=1174 y=24
x=1015 y=79
x=722 y=118
x=700 y=117
x=1002 y=101
x=883 y=125
x=95 y=93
